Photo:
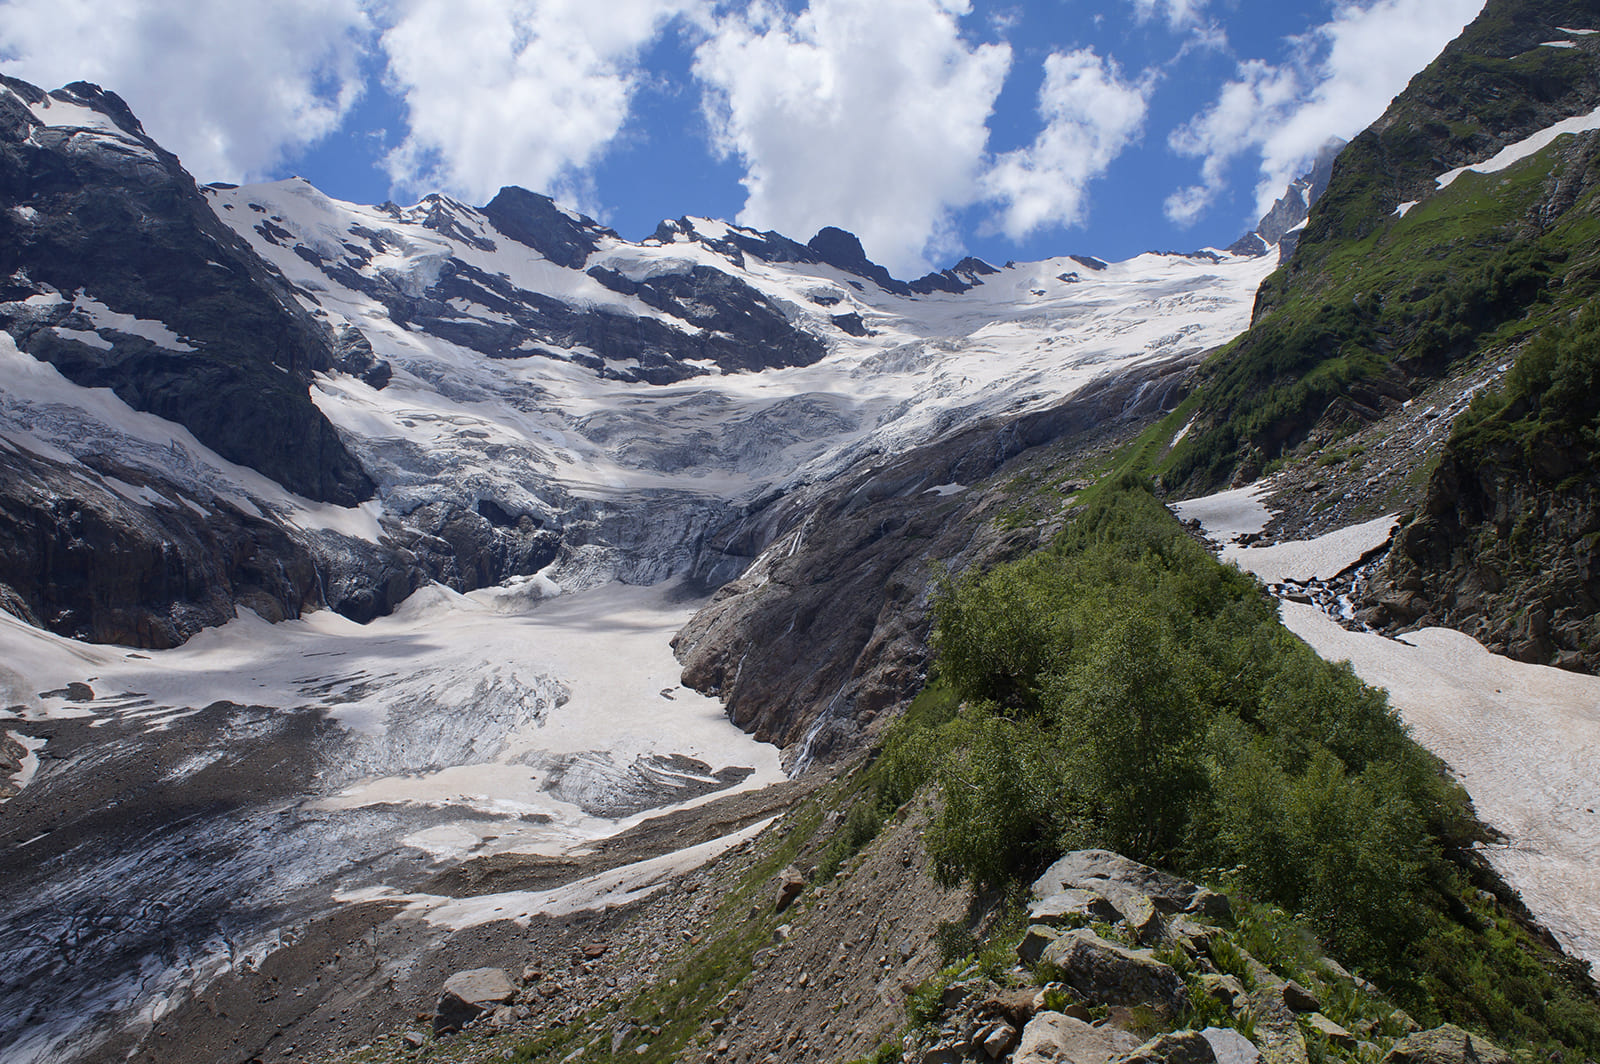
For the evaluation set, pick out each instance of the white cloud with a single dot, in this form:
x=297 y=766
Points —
x=1090 y=113
x=231 y=88
x=1258 y=99
x=1346 y=73
x=1179 y=14
x=866 y=114
x=527 y=92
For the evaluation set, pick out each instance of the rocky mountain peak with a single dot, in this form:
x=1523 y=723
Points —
x=838 y=247
x=564 y=237
x=1279 y=227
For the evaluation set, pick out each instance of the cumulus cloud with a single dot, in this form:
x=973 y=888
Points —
x=1259 y=98
x=233 y=89
x=1090 y=112
x=527 y=92
x=867 y=114
x=1345 y=74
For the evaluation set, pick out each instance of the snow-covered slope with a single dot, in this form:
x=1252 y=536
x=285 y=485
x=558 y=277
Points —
x=553 y=417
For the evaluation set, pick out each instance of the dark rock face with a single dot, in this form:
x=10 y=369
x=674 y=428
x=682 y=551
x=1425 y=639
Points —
x=1291 y=208
x=962 y=277
x=1505 y=553
x=115 y=218
x=91 y=565
x=724 y=320
x=744 y=330
x=836 y=247
x=536 y=221
x=829 y=629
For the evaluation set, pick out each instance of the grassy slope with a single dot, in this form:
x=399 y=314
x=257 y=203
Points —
x=1371 y=301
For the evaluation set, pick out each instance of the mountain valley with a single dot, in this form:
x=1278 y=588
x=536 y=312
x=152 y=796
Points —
x=391 y=592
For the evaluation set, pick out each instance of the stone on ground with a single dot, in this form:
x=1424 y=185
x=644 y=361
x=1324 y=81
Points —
x=468 y=995
x=1445 y=1045
x=1107 y=973
x=1052 y=1038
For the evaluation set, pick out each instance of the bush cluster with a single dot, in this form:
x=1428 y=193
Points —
x=1123 y=689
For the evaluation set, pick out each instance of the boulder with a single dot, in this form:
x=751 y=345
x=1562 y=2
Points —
x=790 y=886
x=1106 y=972
x=1053 y=1038
x=1035 y=941
x=468 y=995
x=1231 y=1047
x=1226 y=990
x=1278 y=1034
x=1299 y=998
x=1334 y=1033
x=1174 y=1047
x=1139 y=913
x=997 y=1039
x=1445 y=1045
x=1115 y=877
x=1072 y=908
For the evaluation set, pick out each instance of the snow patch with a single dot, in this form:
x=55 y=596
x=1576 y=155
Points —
x=1229 y=515
x=30 y=760
x=105 y=318
x=1522 y=149
x=1404 y=208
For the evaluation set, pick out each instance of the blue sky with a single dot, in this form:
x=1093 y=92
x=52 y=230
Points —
x=1009 y=129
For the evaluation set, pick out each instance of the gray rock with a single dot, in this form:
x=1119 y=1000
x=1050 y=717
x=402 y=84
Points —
x=790 y=886
x=1053 y=1038
x=1225 y=989
x=1174 y=1047
x=1072 y=908
x=1035 y=942
x=999 y=1038
x=1231 y=1047
x=1278 y=1033
x=468 y=995
x=1116 y=877
x=1299 y=998
x=1105 y=972
x=1334 y=1033
x=1139 y=913
x=1448 y=1044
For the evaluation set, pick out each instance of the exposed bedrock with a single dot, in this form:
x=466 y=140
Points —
x=111 y=227
x=829 y=627
x=1503 y=548
x=81 y=560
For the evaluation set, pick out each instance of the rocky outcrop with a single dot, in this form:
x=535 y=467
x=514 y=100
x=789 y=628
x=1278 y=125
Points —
x=565 y=238
x=1055 y=1038
x=1130 y=887
x=81 y=560
x=469 y=995
x=114 y=270
x=836 y=247
x=1507 y=554
x=1113 y=974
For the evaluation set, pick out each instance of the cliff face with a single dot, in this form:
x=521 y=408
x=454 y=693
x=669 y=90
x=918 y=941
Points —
x=104 y=236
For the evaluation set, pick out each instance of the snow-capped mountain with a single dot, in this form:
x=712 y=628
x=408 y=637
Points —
x=259 y=401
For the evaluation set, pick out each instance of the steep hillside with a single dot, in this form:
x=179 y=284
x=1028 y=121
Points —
x=1456 y=229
